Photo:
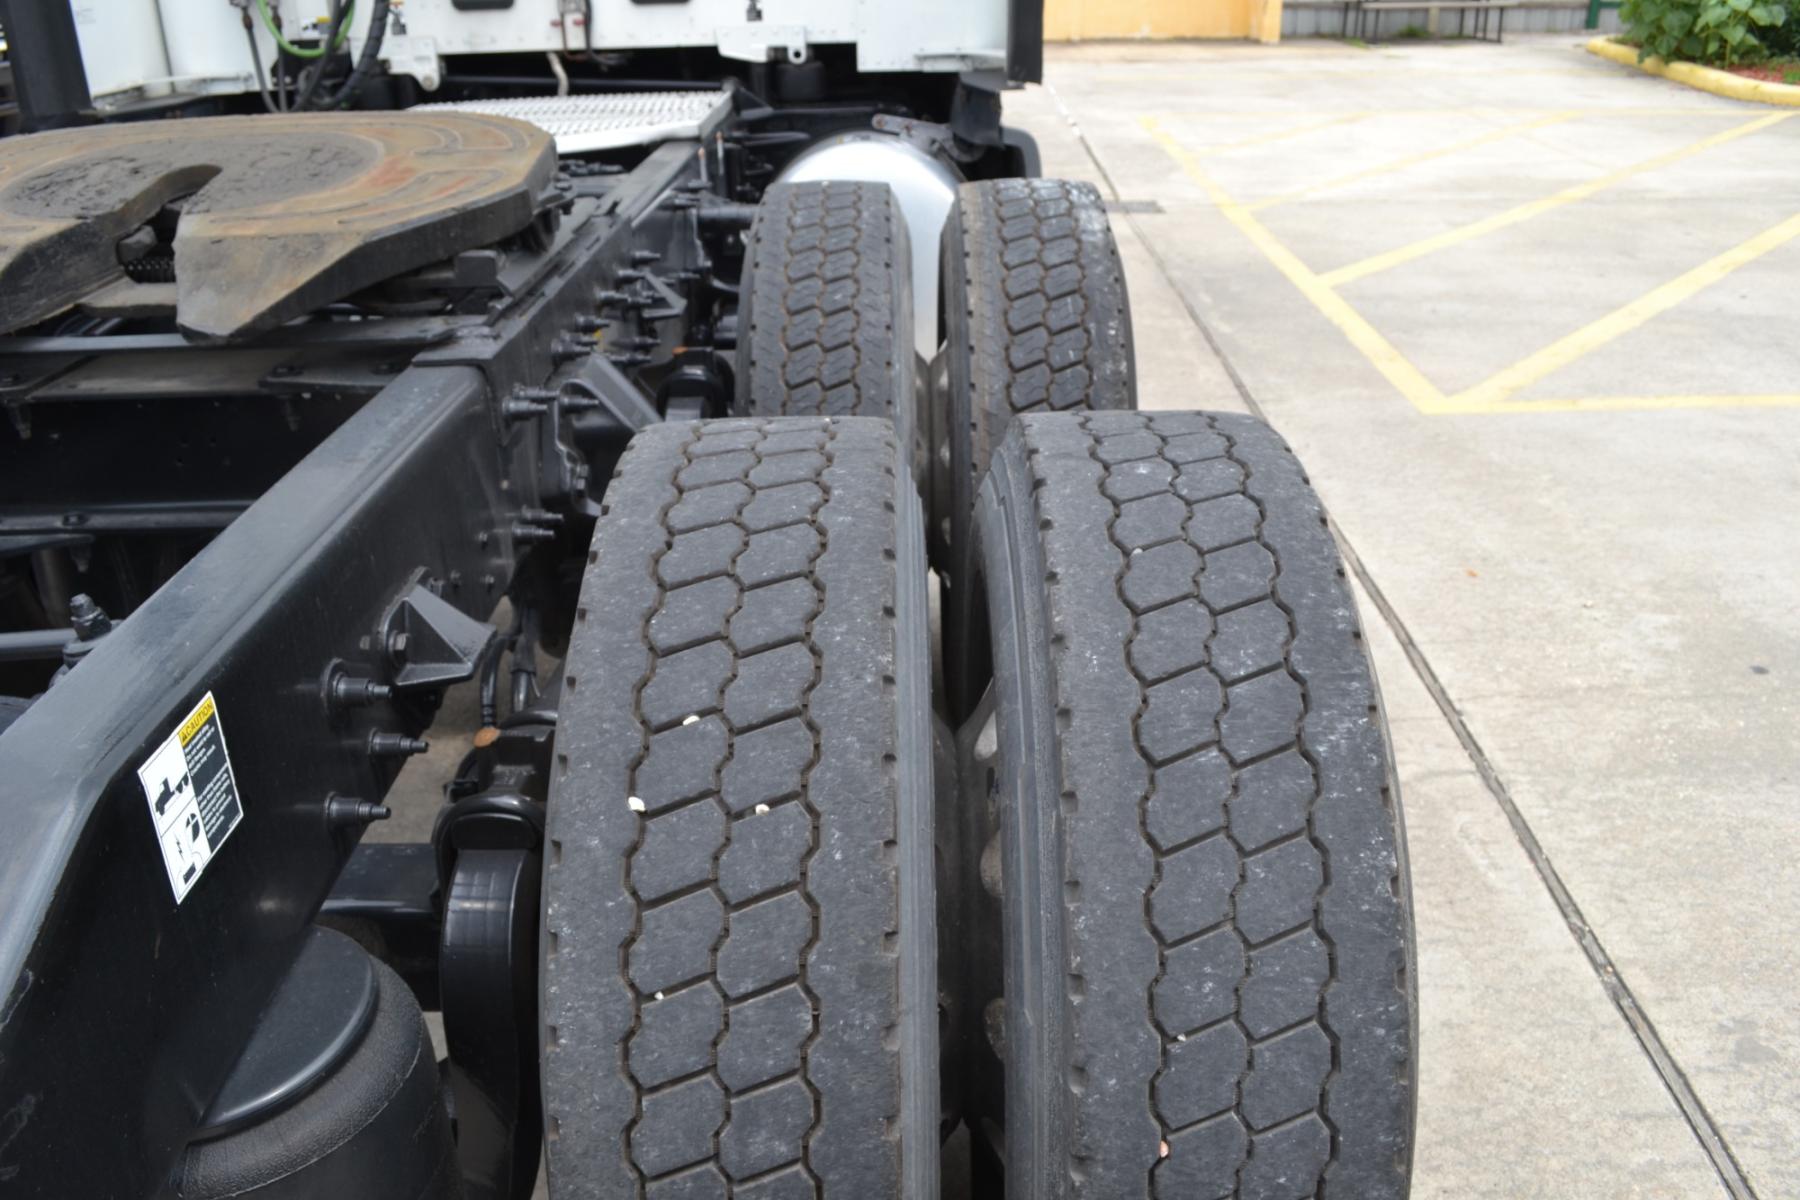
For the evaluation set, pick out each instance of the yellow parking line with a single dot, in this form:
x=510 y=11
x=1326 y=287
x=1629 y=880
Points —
x=1622 y=403
x=1378 y=350
x=1524 y=212
x=1493 y=395
x=1279 y=135
x=1620 y=321
x=1413 y=160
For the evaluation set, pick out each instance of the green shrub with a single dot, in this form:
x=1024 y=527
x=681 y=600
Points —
x=1783 y=41
x=1714 y=32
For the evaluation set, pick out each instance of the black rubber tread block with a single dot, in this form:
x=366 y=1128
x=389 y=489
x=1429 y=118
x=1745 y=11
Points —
x=739 y=993
x=825 y=317
x=1036 y=320
x=1206 y=902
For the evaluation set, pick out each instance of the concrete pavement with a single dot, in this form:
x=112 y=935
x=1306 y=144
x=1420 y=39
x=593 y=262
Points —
x=1526 y=316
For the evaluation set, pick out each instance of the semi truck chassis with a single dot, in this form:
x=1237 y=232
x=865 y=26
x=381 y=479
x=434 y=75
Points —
x=887 y=733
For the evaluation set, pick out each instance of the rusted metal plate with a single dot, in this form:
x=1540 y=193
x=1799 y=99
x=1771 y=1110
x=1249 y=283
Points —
x=285 y=212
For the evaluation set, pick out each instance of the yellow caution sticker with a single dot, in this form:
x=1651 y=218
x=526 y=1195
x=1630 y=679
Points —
x=192 y=794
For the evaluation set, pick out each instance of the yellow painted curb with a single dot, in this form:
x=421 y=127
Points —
x=1719 y=83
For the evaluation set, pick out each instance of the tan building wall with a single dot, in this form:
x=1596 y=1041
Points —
x=1083 y=20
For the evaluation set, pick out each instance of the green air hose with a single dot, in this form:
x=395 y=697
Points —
x=262 y=6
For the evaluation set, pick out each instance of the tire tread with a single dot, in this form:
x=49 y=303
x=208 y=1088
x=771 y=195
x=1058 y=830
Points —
x=1235 y=918
x=825 y=329
x=1049 y=319
x=763 y=1019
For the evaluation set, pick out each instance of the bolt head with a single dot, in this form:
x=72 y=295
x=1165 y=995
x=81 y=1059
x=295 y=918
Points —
x=88 y=619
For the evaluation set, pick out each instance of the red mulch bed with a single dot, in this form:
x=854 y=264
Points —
x=1777 y=72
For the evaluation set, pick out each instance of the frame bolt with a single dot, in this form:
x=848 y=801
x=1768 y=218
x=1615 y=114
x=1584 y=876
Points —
x=88 y=619
x=567 y=348
x=383 y=744
x=347 y=812
x=351 y=690
x=522 y=410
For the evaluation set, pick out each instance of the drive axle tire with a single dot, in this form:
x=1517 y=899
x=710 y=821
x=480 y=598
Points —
x=1204 y=898
x=739 y=990
x=1036 y=319
x=825 y=313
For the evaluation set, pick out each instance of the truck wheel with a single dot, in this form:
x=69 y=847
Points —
x=1036 y=319
x=825 y=315
x=739 y=990
x=1194 y=825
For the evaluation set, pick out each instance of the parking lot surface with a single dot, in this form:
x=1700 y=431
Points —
x=1527 y=316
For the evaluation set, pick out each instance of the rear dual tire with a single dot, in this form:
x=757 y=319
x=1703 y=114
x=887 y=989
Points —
x=1191 y=821
x=825 y=313
x=1179 y=839
x=1036 y=320
x=739 y=991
